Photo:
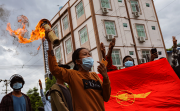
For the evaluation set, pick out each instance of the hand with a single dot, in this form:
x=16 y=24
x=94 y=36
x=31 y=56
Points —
x=174 y=42
x=46 y=34
x=40 y=84
x=102 y=69
x=153 y=56
x=112 y=43
x=103 y=51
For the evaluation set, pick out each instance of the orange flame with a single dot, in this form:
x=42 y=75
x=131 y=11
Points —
x=36 y=34
x=39 y=47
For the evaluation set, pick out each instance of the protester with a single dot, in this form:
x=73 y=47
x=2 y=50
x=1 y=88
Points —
x=128 y=61
x=153 y=54
x=175 y=58
x=60 y=95
x=16 y=100
x=45 y=99
x=40 y=109
x=87 y=90
x=110 y=66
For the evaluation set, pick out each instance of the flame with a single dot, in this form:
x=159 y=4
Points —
x=36 y=34
x=39 y=47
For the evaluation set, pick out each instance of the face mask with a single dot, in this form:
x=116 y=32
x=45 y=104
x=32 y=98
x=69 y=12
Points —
x=87 y=63
x=17 y=85
x=128 y=64
x=49 y=98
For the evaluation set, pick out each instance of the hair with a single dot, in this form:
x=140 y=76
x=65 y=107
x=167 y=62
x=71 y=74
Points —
x=47 y=93
x=127 y=57
x=75 y=57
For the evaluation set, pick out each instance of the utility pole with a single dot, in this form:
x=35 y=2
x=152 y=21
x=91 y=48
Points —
x=6 y=84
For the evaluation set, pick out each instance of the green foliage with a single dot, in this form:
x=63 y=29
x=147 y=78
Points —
x=170 y=49
x=34 y=98
x=49 y=83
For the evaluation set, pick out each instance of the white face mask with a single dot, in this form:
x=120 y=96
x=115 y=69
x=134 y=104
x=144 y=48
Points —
x=49 y=98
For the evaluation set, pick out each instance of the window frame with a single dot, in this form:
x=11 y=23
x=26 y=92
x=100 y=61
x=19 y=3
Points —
x=57 y=30
x=147 y=3
x=145 y=50
x=114 y=26
x=66 y=45
x=67 y=21
x=138 y=4
x=132 y=52
x=152 y=27
x=60 y=52
x=144 y=30
x=76 y=9
x=80 y=35
x=121 y=64
x=109 y=4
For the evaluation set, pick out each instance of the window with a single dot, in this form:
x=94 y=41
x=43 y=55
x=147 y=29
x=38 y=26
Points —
x=83 y=35
x=68 y=46
x=120 y=1
x=125 y=24
x=147 y=5
x=65 y=23
x=159 y=53
x=145 y=53
x=140 y=30
x=116 y=57
x=131 y=52
x=135 y=6
x=105 y=4
x=58 y=54
x=110 y=28
x=153 y=28
x=55 y=29
x=79 y=9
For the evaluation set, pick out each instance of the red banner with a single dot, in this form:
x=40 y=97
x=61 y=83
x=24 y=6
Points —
x=153 y=86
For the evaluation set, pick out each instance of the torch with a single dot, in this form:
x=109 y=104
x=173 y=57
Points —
x=44 y=23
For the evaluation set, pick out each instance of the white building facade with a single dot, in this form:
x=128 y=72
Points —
x=87 y=23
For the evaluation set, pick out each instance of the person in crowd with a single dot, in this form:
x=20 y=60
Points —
x=175 y=57
x=40 y=109
x=153 y=54
x=87 y=90
x=128 y=61
x=110 y=66
x=60 y=95
x=46 y=99
x=16 y=100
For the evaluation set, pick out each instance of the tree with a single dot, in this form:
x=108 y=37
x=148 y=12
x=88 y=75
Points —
x=34 y=98
x=49 y=83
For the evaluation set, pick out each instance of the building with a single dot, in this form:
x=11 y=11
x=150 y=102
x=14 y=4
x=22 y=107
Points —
x=87 y=23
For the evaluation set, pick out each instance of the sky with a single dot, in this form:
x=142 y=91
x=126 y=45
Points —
x=24 y=59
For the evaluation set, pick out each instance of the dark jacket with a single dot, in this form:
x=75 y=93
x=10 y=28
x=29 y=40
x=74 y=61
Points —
x=7 y=103
x=58 y=101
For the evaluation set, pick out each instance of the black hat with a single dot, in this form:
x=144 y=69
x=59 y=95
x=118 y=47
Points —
x=16 y=77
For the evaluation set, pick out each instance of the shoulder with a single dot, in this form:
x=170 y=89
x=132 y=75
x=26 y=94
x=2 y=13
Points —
x=25 y=96
x=7 y=97
x=55 y=87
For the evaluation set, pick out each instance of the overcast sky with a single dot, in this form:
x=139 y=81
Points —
x=27 y=61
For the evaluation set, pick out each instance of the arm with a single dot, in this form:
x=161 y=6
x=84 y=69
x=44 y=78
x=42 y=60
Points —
x=56 y=71
x=43 y=98
x=57 y=101
x=111 y=46
x=106 y=83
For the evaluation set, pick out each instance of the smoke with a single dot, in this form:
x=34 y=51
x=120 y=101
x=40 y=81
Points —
x=4 y=14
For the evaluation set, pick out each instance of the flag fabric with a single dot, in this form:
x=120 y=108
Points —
x=152 y=86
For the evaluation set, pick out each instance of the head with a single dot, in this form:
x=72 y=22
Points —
x=16 y=82
x=48 y=97
x=82 y=59
x=40 y=109
x=128 y=61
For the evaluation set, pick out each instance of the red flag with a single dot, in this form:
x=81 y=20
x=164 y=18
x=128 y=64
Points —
x=153 y=86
